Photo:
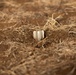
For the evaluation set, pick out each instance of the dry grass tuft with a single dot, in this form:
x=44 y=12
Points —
x=20 y=54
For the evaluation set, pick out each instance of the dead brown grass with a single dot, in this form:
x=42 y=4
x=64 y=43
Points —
x=20 y=54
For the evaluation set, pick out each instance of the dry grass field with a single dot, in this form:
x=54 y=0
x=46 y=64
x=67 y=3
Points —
x=21 y=54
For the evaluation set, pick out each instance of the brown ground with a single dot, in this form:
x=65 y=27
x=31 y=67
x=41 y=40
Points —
x=20 y=54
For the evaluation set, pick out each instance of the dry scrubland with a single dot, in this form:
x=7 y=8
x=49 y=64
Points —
x=20 y=54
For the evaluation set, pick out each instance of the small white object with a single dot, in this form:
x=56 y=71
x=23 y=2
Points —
x=38 y=35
